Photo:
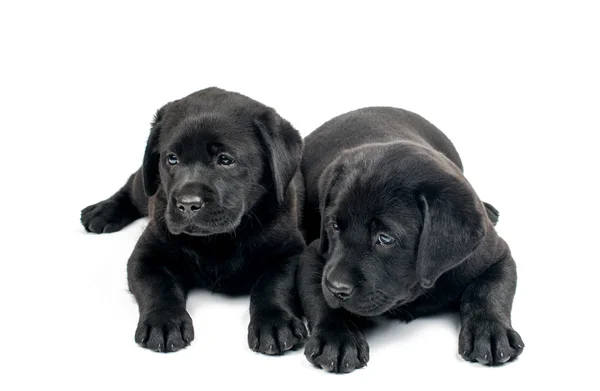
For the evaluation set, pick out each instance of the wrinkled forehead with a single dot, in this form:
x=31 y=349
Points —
x=370 y=197
x=212 y=133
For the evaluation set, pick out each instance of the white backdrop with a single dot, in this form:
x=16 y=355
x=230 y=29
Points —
x=515 y=86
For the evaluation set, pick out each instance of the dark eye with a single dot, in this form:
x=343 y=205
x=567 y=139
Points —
x=335 y=227
x=172 y=159
x=224 y=160
x=385 y=240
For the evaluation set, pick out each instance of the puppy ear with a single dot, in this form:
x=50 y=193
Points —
x=284 y=149
x=454 y=225
x=150 y=175
x=327 y=181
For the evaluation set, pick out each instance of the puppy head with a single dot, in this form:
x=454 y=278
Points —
x=214 y=155
x=395 y=217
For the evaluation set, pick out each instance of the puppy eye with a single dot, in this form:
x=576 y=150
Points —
x=385 y=240
x=335 y=227
x=224 y=160
x=172 y=159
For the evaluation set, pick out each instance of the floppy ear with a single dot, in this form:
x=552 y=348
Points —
x=284 y=149
x=453 y=227
x=327 y=180
x=150 y=175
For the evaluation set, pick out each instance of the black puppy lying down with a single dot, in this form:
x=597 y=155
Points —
x=216 y=181
x=402 y=234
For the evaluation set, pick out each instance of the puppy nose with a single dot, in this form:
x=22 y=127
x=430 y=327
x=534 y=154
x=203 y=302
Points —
x=189 y=205
x=341 y=290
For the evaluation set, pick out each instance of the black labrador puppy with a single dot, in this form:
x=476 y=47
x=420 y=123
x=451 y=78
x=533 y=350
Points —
x=401 y=234
x=221 y=184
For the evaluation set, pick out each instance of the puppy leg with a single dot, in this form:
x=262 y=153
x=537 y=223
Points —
x=486 y=334
x=126 y=205
x=164 y=324
x=275 y=326
x=336 y=343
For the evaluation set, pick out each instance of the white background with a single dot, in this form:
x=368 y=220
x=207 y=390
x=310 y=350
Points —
x=515 y=86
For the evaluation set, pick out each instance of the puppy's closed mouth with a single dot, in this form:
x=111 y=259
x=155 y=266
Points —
x=214 y=223
x=375 y=305
x=371 y=309
x=197 y=230
x=194 y=230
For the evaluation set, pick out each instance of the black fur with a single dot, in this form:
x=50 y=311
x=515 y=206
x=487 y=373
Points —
x=380 y=174
x=224 y=216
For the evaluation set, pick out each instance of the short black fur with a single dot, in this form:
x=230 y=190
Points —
x=398 y=232
x=220 y=181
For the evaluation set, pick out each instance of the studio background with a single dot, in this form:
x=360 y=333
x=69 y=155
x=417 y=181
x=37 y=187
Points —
x=514 y=85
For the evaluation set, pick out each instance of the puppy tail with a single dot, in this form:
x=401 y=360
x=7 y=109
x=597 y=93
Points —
x=492 y=212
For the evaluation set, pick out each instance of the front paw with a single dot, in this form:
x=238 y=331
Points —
x=165 y=330
x=275 y=332
x=489 y=342
x=108 y=216
x=337 y=350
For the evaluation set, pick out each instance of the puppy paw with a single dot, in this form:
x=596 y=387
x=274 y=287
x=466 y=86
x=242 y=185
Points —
x=109 y=215
x=165 y=330
x=339 y=351
x=275 y=332
x=489 y=342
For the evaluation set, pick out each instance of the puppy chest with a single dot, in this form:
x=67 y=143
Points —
x=222 y=273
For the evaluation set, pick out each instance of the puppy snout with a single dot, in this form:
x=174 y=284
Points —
x=192 y=197
x=342 y=290
x=189 y=205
